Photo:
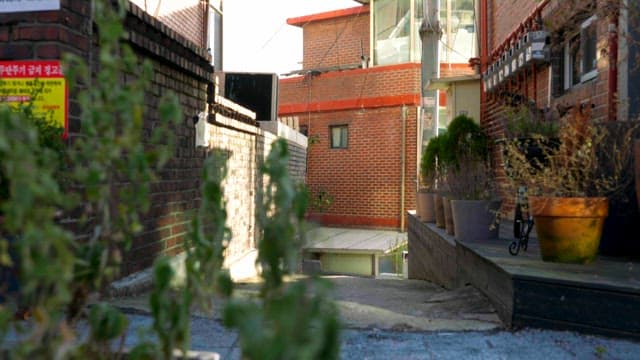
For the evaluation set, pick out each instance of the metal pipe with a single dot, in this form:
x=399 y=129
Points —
x=403 y=166
x=484 y=54
x=613 y=66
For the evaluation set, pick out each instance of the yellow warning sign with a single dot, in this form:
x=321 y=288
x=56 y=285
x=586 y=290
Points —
x=38 y=82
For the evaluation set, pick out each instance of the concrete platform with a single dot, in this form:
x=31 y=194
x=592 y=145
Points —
x=351 y=251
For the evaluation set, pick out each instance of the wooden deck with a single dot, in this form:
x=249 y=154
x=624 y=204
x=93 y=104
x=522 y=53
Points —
x=601 y=298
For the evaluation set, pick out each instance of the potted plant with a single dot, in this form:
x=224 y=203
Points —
x=568 y=196
x=426 y=208
x=465 y=140
x=623 y=207
x=432 y=164
x=531 y=131
x=473 y=205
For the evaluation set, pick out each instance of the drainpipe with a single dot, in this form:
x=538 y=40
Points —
x=430 y=33
x=613 y=65
x=484 y=55
x=403 y=165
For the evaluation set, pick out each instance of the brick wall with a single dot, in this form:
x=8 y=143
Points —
x=338 y=41
x=535 y=83
x=179 y=66
x=186 y=17
x=365 y=179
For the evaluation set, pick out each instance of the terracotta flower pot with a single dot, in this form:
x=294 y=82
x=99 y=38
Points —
x=426 y=210
x=448 y=216
x=569 y=229
x=439 y=207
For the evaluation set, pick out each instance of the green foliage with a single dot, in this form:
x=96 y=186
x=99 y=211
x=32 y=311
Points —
x=209 y=236
x=465 y=139
x=111 y=161
x=103 y=175
x=45 y=249
x=587 y=160
x=525 y=122
x=431 y=163
x=321 y=201
x=291 y=321
x=170 y=310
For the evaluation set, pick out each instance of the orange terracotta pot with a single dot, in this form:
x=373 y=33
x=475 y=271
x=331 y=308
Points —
x=569 y=229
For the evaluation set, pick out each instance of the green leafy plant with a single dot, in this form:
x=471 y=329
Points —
x=584 y=163
x=101 y=179
x=465 y=139
x=109 y=169
x=44 y=250
x=290 y=320
x=321 y=201
x=467 y=160
x=526 y=121
x=432 y=163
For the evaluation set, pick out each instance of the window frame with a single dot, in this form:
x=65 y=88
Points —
x=570 y=62
x=215 y=40
x=346 y=138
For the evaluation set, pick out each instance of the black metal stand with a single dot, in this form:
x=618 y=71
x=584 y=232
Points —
x=521 y=226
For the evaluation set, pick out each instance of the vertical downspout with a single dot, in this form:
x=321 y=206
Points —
x=403 y=165
x=484 y=57
x=613 y=66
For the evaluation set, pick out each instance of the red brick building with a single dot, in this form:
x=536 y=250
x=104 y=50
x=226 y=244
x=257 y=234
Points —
x=358 y=96
x=361 y=120
x=588 y=58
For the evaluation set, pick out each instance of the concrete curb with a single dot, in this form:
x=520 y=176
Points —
x=142 y=281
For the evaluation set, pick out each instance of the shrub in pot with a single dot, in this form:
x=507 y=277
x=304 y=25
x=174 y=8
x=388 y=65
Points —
x=470 y=183
x=568 y=197
x=429 y=172
x=623 y=207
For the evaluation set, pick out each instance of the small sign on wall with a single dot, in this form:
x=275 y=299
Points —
x=9 y=6
x=39 y=82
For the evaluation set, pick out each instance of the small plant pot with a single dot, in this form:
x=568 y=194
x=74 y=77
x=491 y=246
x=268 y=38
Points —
x=569 y=229
x=473 y=220
x=426 y=209
x=448 y=216
x=439 y=210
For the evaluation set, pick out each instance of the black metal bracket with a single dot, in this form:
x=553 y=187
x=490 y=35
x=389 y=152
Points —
x=521 y=230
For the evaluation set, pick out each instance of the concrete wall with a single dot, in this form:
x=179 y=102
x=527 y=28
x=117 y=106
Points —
x=464 y=96
x=247 y=147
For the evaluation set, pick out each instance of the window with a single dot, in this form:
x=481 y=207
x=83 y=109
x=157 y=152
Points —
x=339 y=136
x=215 y=34
x=395 y=31
x=581 y=55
